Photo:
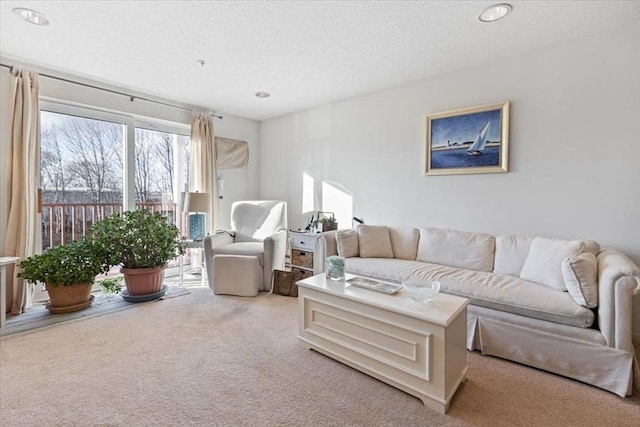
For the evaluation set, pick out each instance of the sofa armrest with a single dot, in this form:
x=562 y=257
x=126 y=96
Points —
x=618 y=281
x=326 y=246
x=275 y=250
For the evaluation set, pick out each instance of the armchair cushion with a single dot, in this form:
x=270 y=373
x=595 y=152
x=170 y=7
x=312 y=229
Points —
x=255 y=220
x=242 y=248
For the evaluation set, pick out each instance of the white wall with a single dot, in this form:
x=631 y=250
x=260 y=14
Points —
x=574 y=166
x=230 y=127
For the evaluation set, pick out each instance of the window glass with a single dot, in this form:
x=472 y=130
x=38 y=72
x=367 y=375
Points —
x=81 y=161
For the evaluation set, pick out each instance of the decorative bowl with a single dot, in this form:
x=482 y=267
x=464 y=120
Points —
x=421 y=290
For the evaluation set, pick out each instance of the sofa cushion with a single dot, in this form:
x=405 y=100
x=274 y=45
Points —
x=511 y=253
x=544 y=262
x=391 y=269
x=499 y=292
x=580 y=274
x=374 y=241
x=347 y=242
x=474 y=251
x=404 y=242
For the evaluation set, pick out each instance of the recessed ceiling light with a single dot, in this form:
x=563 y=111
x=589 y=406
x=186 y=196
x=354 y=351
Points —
x=31 y=16
x=263 y=94
x=495 y=12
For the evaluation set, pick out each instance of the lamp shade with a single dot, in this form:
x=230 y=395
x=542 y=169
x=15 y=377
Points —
x=197 y=202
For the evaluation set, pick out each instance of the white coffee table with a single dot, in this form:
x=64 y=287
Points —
x=417 y=348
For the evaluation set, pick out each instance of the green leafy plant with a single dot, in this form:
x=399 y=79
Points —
x=111 y=285
x=330 y=220
x=138 y=239
x=329 y=223
x=69 y=264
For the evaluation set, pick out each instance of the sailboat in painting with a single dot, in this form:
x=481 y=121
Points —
x=478 y=145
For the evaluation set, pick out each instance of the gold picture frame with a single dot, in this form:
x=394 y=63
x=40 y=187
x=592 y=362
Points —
x=468 y=140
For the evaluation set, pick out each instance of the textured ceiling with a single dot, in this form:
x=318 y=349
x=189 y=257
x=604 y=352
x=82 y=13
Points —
x=304 y=53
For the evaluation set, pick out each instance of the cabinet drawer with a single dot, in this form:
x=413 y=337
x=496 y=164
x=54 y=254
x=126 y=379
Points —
x=302 y=258
x=303 y=241
x=299 y=274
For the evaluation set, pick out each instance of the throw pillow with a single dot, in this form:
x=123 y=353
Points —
x=347 y=241
x=374 y=241
x=591 y=246
x=580 y=274
x=544 y=262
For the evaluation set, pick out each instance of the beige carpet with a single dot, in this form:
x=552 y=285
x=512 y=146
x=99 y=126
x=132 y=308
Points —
x=226 y=361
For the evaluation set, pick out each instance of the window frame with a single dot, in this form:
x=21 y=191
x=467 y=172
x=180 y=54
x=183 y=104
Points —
x=131 y=122
x=128 y=191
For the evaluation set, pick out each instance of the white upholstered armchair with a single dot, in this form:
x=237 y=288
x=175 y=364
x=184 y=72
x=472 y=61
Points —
x=241 y=261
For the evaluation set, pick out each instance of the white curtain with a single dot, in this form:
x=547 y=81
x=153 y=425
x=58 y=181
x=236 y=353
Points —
x=202 y=165
x=22 y=176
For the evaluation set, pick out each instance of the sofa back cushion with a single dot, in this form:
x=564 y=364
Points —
x=374 y=241
x=511 y=253
x=544 y=262
x=404 y=242
x=347 y=243
x=473 y=251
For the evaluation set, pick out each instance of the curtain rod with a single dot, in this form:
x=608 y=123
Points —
x=131 y=97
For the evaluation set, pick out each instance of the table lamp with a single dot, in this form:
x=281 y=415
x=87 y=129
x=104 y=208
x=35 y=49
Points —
x=197 y=204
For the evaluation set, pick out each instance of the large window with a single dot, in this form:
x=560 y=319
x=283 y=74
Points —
x=81 y=174
x=159 y=165
x=95 y=163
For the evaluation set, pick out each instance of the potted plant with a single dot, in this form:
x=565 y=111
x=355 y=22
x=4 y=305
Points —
x=142 y=243
x=329 y=223
x=68 y=272
x=326 y=222
x=111 y=286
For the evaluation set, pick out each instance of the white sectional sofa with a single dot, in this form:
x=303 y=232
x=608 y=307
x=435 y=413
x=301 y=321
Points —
x=558 y=305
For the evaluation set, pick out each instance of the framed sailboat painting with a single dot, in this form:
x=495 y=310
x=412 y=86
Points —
x=468 y=140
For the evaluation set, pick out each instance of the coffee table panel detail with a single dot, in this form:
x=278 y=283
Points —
x=385 y=341
x=423 y=358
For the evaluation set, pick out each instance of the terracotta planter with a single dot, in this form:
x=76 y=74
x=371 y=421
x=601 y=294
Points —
x=143 y=281
x=67 y=299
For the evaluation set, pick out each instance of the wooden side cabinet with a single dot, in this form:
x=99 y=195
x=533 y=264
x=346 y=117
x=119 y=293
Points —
x=303 y=247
